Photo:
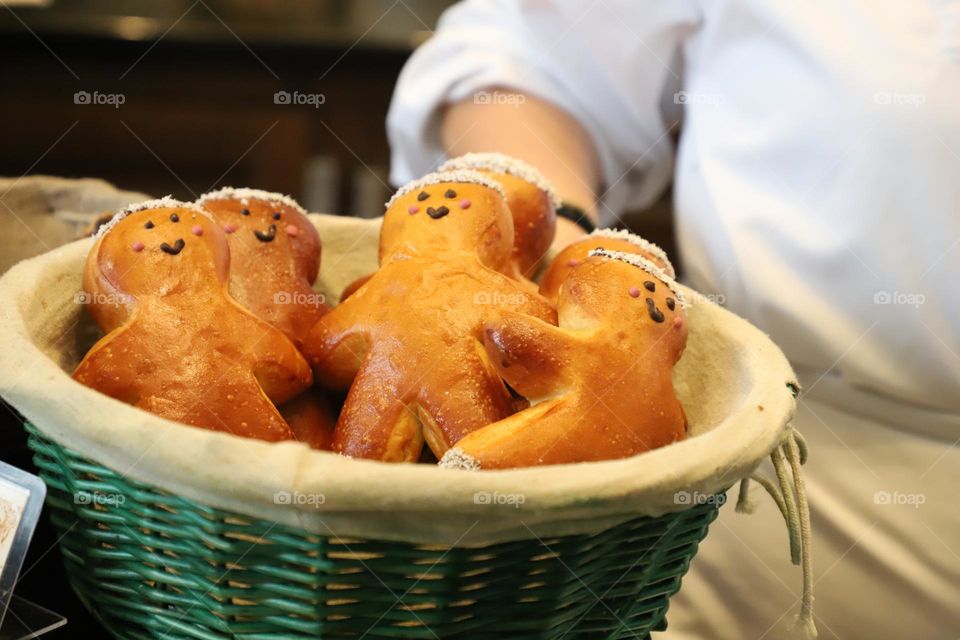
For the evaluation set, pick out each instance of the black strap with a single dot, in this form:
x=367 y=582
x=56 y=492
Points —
x=576 y=215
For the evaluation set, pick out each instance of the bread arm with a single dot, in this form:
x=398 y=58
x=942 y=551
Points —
x=280 y=369
x=99 y=370
x=530 y=354
x=336 y=347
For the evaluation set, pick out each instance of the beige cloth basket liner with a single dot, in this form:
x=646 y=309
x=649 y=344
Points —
x=732 y=381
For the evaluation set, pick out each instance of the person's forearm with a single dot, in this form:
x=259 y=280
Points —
x=536 y=132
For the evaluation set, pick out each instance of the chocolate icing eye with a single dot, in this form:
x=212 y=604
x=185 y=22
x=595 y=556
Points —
x=649 y=286
x=450 y=193
x=671 y=304
x=276 y=215
x=423 y=195
x=149 y=225
x=174 y=217
x=244 y=212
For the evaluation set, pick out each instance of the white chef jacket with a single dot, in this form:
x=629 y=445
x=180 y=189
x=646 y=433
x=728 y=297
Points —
x=817 y=178
x=817 y=188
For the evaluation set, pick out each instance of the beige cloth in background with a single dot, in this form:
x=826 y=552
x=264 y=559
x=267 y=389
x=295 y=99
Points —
x=38 y=213
x=731 y=381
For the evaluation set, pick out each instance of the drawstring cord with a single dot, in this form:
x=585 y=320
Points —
x=786 y=490
x=790 y=494
x=797 y=454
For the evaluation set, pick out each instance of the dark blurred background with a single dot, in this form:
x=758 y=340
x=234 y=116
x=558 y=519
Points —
x=179 y=97
x=202 y=85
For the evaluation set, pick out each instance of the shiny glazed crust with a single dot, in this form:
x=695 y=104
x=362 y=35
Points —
x=176 y=343
x=600 y=384
x=408 y=343
x=275 y=257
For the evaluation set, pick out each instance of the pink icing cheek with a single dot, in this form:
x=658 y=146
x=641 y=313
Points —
x=412 y=209
x=197 y=230
x=677 y=322
x=634 y=292
x=230 y=227
x=465 y=204
x=293 y=230
x=572 y=263
x=137 y=246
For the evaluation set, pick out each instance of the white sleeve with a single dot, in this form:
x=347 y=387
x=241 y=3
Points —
x=613 y=65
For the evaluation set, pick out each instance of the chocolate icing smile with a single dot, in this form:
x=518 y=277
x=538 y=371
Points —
x=268 y=236
x=175 y=249
x=655 y=314
x=438 y=212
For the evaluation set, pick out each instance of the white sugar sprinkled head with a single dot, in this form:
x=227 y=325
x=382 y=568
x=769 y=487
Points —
x=648 y=266
x=166 y=202
x=244 y=195
x=501 y=163
x=456 y=459
x=641 y=243
x=462 y=176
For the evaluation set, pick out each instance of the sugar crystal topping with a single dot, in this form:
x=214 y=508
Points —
x=244 y=195
x=640 y=243
x=501 y=163
x=462 y=176
x=456 y=459
x=648 y=266
x=166 y=202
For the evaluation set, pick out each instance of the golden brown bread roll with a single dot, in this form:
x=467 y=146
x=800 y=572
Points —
x=600 y=384
x=408 y=342
x=610 y=239
x=275 y=259
x=275 y=256
x=176 y=343
x=532 y=201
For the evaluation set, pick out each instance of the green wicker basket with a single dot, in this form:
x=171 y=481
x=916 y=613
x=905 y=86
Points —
x=149 y=564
